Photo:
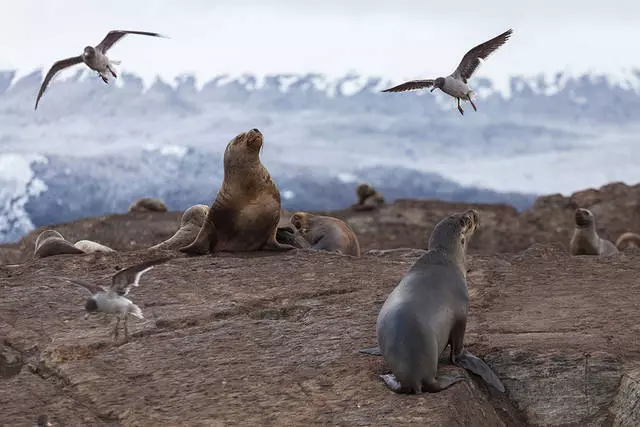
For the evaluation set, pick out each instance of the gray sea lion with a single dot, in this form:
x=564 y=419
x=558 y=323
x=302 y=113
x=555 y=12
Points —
x=628 y=239
x=368 y=198
x=147 y=204
x=50 y=243
x=428 y=311
x=585 y=239
x=326 y=233
x=245 y=214
x=190 y=224
x=89 y=247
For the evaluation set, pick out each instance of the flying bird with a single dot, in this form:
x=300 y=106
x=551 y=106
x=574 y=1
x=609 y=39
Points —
x=94 y=57
x=455 y=84
x=111 y=300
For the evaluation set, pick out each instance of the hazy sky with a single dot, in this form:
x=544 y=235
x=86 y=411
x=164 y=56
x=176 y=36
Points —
x=392 y=38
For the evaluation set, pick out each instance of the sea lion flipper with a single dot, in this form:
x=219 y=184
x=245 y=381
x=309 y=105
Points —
x=476 y=365
x=274 y=245
x=374 y=351
x=204 y=240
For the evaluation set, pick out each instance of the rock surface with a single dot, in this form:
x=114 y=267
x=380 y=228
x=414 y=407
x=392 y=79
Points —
x=272 y=339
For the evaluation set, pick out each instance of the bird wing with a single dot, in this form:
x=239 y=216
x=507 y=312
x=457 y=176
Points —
x=411 y=85
x=55 y=68
x=93 y=289
x=471 y=60
x=113 y=36
x=124 y=279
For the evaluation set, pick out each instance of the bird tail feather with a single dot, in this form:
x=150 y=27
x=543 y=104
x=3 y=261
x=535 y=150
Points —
x=472 y=95
x=134 y=310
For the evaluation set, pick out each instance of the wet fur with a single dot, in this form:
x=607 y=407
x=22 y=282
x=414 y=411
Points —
x=326 y=233
x=585 y=239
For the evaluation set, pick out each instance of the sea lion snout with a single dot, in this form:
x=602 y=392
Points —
x=256 y=130
x=583 y=217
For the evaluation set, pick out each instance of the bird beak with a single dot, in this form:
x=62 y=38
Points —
x=434 y=88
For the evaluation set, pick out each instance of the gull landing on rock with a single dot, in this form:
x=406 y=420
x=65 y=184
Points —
x=455 y=84
x=111 y=300
x=94 y=57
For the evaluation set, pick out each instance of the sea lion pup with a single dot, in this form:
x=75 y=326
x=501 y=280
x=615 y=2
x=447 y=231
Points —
x=89 y=247
x=368 y=198
x=190 y=224
x=585 y=239
x=147 y=204
x=326 y=233
x=428 y=311
x=50 y=243
x=245 y=214
x=628 y=239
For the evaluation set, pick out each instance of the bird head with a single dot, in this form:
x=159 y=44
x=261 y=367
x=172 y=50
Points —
x=90 y=307
x=88 y=52
x=438 y=83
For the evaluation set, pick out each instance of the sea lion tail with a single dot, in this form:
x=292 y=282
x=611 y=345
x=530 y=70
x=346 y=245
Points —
x=628 y=237
x=476 y=365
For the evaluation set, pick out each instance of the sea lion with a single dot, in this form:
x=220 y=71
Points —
x=368 y=198
x=628 y=239
x=89 y=247
x=326 y=233
x=245 y=214
x=585 y=239
x=50 y=243
x=428 y=311
x=190 y=224
x=147 y=204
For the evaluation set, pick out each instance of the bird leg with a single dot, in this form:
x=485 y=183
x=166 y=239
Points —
x=115 y=329
x=104 y=79
x=112 y=72
x=473 y=105
x=126 y=329
x=459 y=107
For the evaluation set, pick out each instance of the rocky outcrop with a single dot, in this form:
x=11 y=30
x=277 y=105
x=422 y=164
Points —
x=273 y=339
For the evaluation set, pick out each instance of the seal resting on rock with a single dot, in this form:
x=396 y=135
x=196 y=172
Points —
x=368 y=198
x=585 y=239
x=245 y=214
x=428 y=311
x=89 y=247
x=147 y=204
x=50 y=243
x=190 y=224
x=628 y=239
x=325 y=233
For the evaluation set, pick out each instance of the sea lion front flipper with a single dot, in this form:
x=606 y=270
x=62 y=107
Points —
x=289 y=236
x=391 y=382
x=478 y=366
x=374 y=351
x=205 y=240
x=273 y=244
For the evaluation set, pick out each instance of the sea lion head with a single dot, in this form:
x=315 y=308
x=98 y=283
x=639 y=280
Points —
x=47 y=234
x=583 y=218
x=196 y=214
x=243 y=149
x=438 y=84
x=363 y=191
x=454 y=231
x=300 y=220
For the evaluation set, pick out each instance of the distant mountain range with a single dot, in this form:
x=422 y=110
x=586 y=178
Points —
x=92 y=148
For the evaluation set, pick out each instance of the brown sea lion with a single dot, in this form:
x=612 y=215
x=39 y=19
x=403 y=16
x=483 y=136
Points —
x=245 y=214
x=50 y=243
x=190 y=224
x=89 y=247
x=147 y=204
x=368 y=198
x=585 y=239
x=326 y=233
x=628 y=239
x=427 y=311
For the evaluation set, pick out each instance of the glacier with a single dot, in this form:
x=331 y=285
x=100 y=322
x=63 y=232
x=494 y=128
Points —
x=92 y=149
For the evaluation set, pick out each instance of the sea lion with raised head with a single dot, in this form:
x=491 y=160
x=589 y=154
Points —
x=326 y=233
x=245 y=214
x=147 y=204
x=190 y=224
x=628 y=239
x=368 y=198
x=50 y=243
x=428 y=311
x=585 y=239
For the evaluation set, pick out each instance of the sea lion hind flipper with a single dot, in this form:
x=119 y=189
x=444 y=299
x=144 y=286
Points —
x=273 y=244
x=374 y=351
x=393 y=384
x=288 y=236
x=205 y=240
x=478 y=366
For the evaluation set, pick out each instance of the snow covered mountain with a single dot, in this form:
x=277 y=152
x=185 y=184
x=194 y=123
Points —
x=91 y=149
